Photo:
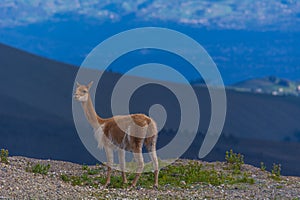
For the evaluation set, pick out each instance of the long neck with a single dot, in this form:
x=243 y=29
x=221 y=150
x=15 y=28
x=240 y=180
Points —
x=91 y=114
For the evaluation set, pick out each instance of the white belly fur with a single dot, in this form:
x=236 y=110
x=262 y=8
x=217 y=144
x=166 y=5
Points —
x=99 y=135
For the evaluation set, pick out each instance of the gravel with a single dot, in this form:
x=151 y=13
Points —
x=17 y=183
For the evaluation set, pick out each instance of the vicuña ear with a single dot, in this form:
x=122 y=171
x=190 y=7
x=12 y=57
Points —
x=90 y=84
x=77 y=84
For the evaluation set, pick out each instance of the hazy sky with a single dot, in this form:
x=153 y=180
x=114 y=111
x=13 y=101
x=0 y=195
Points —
x=221 y=14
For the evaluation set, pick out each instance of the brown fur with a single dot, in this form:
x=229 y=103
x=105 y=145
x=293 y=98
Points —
x=112 y=130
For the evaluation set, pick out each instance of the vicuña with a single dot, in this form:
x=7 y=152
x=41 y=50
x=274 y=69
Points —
x=122 y=132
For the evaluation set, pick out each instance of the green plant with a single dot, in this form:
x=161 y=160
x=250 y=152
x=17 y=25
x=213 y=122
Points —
x=83 y=179
x=234 y=160
x=85 y=167
x=87 y=178
x=91 y=171
x=38 y=168
x=276 y=170
x=189 y=173
x=279 y=187
x=263 y=166
x=4 y=156
x=246 y=179
x=65 y=177
x=196 y=173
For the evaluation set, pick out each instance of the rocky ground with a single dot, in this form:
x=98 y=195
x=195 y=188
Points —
x=17 y=181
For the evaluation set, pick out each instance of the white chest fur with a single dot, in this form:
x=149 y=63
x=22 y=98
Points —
x=99 y=136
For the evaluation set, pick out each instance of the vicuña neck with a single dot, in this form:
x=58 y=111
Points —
x=91 y=114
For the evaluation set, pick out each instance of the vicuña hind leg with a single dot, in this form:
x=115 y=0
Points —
x=121 y=154
x=155 y=166
x=138 y=156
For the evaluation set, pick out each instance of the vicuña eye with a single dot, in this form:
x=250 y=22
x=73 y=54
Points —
x=84 y=91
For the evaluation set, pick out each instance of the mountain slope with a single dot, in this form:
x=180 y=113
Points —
x=36 y=81
x=36 y=115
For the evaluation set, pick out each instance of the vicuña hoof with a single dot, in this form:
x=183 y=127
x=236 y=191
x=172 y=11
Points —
x=106 y=185
x=132 y=186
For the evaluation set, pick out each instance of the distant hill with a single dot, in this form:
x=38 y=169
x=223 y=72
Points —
x=36 y=115
x=239 y=54
x=270 y=85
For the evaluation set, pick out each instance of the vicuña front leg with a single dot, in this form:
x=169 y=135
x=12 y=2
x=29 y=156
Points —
x=110 y=159
x=121 y=154
x=138 y=156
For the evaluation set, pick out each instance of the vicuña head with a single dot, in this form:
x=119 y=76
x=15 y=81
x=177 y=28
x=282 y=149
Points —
x=137 y=130
x=82 y=92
